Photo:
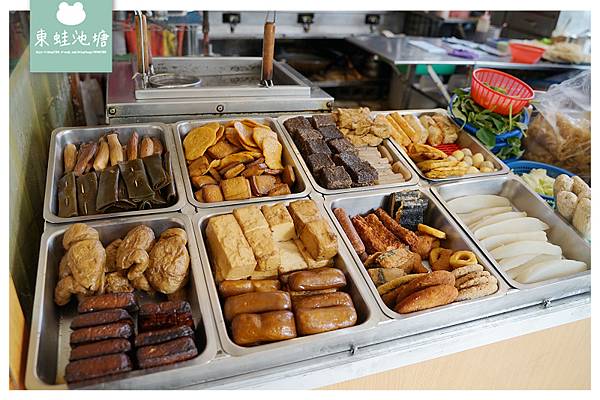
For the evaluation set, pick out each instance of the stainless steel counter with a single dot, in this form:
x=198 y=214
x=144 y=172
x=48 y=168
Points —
x=397 y=51
x=123 y=107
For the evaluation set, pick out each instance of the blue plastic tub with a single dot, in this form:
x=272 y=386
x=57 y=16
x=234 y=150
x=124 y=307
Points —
x=521 y=167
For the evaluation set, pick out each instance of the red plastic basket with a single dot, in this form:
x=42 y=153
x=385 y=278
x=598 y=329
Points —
x=518 y=93
x=526 y=54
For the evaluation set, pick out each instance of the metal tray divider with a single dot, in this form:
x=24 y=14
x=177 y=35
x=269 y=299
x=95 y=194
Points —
x=186 y=182
x=54 y=163
x=170 y=376
x=303 y=347
x=553 y=288
x=412 y=181
x=401 y=325
x=488 y=155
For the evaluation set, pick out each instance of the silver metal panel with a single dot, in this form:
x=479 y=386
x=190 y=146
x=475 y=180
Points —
x=303 y=347
x=524 y=199
x=464 y=140
x=123 y=107
x=410 y=178
x=436 y=216
x=221 y=77
x=63 y=136
x=49 y=348
x=397 y=51
x=182 y=128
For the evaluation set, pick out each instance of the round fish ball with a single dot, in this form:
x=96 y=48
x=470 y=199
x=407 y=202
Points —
x=487 y=164
x=477 y=159
x=579 y=187
x=467 y=152
x=451 y=158
x=459 y=155
x=566 y=203
x=472 y=170
x=486 y=169
x=563 y=183
x=468 y=160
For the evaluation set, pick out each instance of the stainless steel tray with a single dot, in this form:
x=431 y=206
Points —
x=524 y=199
x=182 y=128
x=300 y=348
x=410 y=178
x=49 y=347
x=464 y=140
x=63 y=136
x=436 y=216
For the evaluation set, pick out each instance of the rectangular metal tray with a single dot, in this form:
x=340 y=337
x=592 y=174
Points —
x=49 y=347
x=303 y=347
x=182 y=128
x=63 y=136
x=410 y=178
x=436 y=216
x=524 y=199
x=464 y=140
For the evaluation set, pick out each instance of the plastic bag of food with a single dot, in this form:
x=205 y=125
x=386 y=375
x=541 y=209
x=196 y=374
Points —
x=561 y=132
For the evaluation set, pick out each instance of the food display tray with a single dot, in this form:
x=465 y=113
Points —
x=182 y=128
x=524 y=199
x=302 y=347
x=49 y=347
x=464 y=141
x=63 y=136
x=410 y=178
x=436 y=216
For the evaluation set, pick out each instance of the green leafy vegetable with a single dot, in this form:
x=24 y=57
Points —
x=486 y=137
x=513 y=150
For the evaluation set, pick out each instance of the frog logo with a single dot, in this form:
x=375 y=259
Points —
x=70 y=15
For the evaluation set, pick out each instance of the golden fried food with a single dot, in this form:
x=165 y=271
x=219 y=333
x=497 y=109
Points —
x=199 y=139
x=462 y=258
x=439 y=259
x=428 y=165
x=430 y=297
x=431 y=231
x=445 y=172
x=418 y=151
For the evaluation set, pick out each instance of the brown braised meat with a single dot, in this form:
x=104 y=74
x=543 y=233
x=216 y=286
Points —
x=169 y=262
x=107 y=302
x=164 y=315
x=100 y=318
x=90 y=368
x=163 y=335
x=109 y=346
x=115 y=330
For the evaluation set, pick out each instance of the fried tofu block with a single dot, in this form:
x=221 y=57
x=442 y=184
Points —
x=311 y=262
x=280 y=221
x=260 y=275
x=302 y=212
x=250 y=218
x=291 y=259
x=264 y=248
x=319 y=240
x=231 y=252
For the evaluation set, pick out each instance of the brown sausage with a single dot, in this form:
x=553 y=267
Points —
x=317 y=279
x=317 y=320
x=167 y=353
x=267 y=327
x=96 y=333
x=350 y=231
x=110 y=346
x=97 y=367
x=233 y=288
x=107 y=302
x=164 y=315
x=157 y=147
x=100 y=318
x=429 y=297
x=256 y=302
x=162 y=335
x=146 y=147
x=322 y=300
x=432 y=279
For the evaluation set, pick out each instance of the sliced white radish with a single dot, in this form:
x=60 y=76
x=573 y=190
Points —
x=550 y=270
x=517 y=225
x=514 y=272
x=469 y=204
x=525 y=247
x=475 y=216
x=513 y=262
x=492 y=219
x=491 y=242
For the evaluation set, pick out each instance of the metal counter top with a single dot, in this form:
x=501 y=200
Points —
x=397 y=51
x=410 y=350
x=123 y=107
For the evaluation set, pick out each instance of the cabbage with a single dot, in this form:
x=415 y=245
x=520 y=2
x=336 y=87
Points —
x=538 y=180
